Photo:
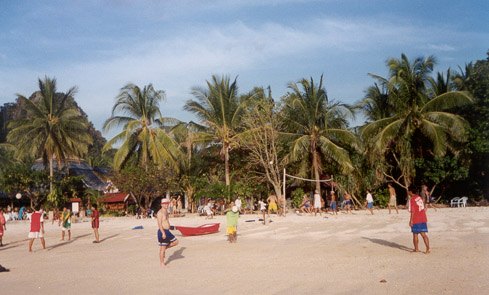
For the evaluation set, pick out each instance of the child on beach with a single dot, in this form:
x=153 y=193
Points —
x=333 y=203
x=37 y=228
x=263 y=208
x=3 y=226
x=165 y=238
x=369 y=202
x=232 y=216
x=347 y=202
x=95 y=222
x=66 y=221
x=418 y=220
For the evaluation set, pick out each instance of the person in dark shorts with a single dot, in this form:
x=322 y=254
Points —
x=418 y=220
x=95 y=222
x=165 y=238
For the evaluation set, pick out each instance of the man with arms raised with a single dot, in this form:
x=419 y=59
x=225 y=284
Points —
x=165 y=238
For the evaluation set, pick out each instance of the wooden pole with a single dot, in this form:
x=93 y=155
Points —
x=285 y=200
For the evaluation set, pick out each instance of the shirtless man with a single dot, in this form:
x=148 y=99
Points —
x=347 y=202
x=392 y=198
x=272 y=204
x=165 y=238
x=426 y=196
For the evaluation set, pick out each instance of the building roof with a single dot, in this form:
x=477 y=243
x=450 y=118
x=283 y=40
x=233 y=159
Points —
x=115 y=198
x=73 y=200
x=77 y=168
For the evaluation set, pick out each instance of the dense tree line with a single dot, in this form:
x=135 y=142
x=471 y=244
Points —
x=420 y=128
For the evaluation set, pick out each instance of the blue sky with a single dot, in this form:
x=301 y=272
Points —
x=99 y=46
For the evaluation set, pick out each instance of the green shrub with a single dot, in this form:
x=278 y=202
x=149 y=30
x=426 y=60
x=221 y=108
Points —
x=297 y=197
x=381 y=197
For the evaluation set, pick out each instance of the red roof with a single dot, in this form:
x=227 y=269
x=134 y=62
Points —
x=114 y=198
x=73 y=200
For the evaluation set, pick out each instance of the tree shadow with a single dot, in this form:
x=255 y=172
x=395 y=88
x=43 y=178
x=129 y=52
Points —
x=64 y=243
x=176 y=255
x=389 y=244
x=8 y=246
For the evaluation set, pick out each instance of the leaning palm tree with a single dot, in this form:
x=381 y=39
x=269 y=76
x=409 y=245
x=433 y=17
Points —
x=419 y=111
x=221 y=110
x=51 y=128
x=142 y=138
x=319 y=127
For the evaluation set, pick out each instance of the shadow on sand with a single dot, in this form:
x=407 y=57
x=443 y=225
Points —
x=63 y=243
x=388 y=244
x=176 y=255
x=109 y=237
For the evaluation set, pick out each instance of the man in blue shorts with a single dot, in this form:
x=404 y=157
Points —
x=165 y=238
x=418 y=220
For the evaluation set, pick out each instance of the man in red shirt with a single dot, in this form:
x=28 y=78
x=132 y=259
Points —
x=95 y=222
x=37 y=228
x=418 y=220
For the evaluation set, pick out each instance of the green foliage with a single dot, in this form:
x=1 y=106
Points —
x=22 y=179
x=297 y=197
x=381 y=197
x=440 y=169
x=110 y=213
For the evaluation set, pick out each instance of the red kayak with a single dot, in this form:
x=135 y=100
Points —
x=200 y=230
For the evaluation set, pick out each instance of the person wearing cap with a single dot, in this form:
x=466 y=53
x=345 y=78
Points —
x=165 y=238
x=232 y=216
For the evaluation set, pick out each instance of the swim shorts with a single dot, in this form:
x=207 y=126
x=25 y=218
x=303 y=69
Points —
x=348 y=203
x=307 y=205
x=333 y=205
x=393 y=201
x=419 y=228
x=231 y=230
x=370 y=205
x=272 y=206
x=169 y=238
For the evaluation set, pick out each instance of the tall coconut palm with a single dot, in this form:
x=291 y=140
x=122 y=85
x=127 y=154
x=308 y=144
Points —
x=377 y=104
x=418 y=111
x=51 y=129
x=319 y=127
x=142 y=138
x=220 y=109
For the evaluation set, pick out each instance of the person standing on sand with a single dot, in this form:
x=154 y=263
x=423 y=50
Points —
x=418 y=221
x=392 y=198
x=95 y=222
x=165 y=238
x=263 y=208
x=333 y=203
x=272 y=204
x=369 y=202
x=37 y=228
x=317 y=203
x=347 y=202
x=3 y=226
x=239 y=204
x=66 y=221
x=232 y=216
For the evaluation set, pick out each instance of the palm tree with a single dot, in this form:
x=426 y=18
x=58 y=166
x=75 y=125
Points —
x=319 y=127
x=419 y=111
x=220 y=109
x=377 y=104
x=141 y=139
x=51 y=129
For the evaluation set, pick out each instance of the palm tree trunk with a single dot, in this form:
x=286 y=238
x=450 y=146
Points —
x=51 y=173
x=226 y=165
x=315 y=165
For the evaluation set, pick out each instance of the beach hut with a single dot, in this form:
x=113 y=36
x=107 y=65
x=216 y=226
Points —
x=117 y=201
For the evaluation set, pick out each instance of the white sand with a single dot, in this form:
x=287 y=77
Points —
x=293 y=255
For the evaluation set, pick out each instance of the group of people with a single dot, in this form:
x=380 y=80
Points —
x=319 y=204
x=37 y=230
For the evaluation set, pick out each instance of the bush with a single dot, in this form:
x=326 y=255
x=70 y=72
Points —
x=381 y=197
x=297 y=198
x=113 y=214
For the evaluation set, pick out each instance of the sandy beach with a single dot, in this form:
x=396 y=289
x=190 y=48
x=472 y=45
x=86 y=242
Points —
x=293 y=255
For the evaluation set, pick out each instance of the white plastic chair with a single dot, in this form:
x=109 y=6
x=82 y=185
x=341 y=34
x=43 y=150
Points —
x=462 y=201
x=454 y=201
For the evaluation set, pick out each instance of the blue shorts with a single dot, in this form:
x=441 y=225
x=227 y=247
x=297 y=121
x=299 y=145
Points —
x=370 y=205
x=419 y=228
x=348 y=203
x=307 y=205
x=169 y=238
x=333 y=205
